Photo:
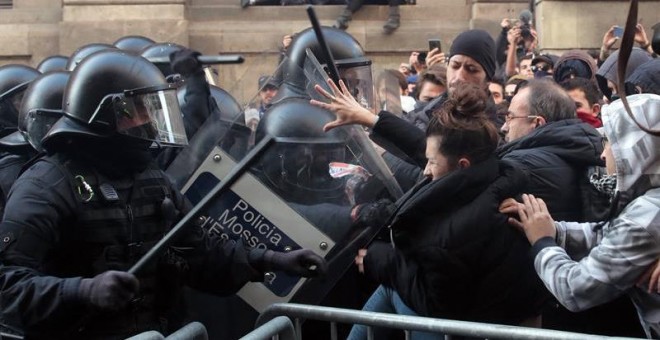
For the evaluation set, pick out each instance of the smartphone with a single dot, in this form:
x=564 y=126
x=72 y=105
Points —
x=435 y=43
x=618 y=31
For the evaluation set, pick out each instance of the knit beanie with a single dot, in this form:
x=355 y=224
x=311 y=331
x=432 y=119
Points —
x=478 y=45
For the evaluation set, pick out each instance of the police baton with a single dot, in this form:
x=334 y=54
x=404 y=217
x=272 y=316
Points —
x=330 y=60
x=218 y=190
x=205 y=59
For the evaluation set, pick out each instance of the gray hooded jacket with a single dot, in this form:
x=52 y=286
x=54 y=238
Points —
x=612 y=259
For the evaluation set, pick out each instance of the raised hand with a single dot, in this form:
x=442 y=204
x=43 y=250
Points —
x=344 y=106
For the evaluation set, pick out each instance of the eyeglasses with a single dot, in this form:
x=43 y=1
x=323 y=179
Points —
x=509 y=116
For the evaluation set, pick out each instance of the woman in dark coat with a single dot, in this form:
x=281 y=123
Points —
x=452 y=255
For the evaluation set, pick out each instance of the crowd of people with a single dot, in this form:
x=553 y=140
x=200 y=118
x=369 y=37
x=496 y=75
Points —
x=531 y=190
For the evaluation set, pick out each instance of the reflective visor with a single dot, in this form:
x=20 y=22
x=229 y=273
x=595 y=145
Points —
x=151 y=114
x=38 y=123
x=10 y=103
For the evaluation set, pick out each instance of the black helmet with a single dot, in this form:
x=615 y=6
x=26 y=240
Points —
x=348 y=56
x=14 y=79
x=40 y=108
x=53 y=63
x=85 y=51
x=162 y=50
x=133 y=44
x=228 y=108
x=112 y=92
x=298 y=165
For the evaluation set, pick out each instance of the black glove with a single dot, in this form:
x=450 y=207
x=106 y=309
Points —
x=111 y=290
x=369 y=190
x=301 y=262
x=185 y=62
x=373 y=214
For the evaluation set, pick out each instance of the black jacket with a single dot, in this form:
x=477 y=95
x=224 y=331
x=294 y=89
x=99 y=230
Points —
x=10 y=167
x=41 y=205
x=557 y=156
x=454 y=254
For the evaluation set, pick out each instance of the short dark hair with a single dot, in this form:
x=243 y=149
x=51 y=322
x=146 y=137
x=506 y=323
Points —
x=591 y=91
x=498 y=82
x=437 y=74
x=549 y=100
x=464 y=126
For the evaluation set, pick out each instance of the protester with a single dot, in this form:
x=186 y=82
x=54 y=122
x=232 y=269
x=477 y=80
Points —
x=587 y=264
x=446 y=232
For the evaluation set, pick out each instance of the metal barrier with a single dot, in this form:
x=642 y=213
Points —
x=6 y=336
x=298 y=312
x=192 y=331
x=280 y=327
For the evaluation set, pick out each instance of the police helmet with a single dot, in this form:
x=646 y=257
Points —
x=85 y=51
x=298 y=165
x=162 y=50
x=53 y=63
x=133 y=44
x=40 y=109
x=112 y=92
x=349 y=59
x=228 y=108
x=14 y=79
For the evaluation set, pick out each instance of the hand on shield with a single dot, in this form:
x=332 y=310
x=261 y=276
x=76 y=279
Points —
x=301 y=262
x=373 y=214
x=344 y=106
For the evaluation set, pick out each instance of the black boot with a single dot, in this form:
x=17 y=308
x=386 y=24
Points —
x=393 y=19
x=343 y=19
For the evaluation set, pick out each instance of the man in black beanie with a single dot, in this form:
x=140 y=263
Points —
x=471 y=59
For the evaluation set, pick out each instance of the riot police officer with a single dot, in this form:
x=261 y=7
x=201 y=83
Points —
x=79 y=218
x=14 y=79
x=38 y=111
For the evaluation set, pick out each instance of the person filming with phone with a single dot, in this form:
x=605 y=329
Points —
x=615 y=33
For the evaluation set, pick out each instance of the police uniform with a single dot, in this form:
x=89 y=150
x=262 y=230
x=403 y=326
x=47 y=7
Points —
x=56 y=231
x=97 y=204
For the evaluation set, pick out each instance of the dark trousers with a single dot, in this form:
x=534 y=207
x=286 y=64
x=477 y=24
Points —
x=354 y=5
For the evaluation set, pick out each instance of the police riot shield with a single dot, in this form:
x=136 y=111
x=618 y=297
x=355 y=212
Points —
x=300 y=193
x=388 y=92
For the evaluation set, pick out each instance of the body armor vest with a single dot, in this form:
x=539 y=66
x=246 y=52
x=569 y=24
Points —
x=116 y=222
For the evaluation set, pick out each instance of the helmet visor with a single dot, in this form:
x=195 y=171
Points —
x=356 y=74
x=151 y=114
x=38 y=122
x=10 y=103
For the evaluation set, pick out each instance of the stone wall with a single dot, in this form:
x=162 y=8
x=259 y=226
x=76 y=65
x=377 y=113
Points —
x=35 y=29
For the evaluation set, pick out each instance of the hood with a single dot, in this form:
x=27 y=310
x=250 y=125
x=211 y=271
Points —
x=608 y=71
x=635 y=151
x=570 y=57
x=572 y=140
x=646 y=77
